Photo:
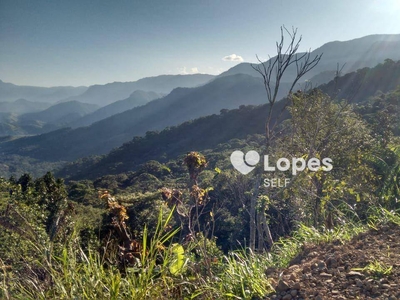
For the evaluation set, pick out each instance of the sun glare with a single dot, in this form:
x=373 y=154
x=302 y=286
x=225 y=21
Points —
x=386 y=6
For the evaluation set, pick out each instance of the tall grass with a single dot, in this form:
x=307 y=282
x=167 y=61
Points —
x=165 y=270
x=76 y=274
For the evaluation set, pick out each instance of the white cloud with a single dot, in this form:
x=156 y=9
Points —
x=232 y=57
x=185 y=71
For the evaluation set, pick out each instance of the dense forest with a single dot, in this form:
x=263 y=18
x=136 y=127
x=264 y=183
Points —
x=166 y=216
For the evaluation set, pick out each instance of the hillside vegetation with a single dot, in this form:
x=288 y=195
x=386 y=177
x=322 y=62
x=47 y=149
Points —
x=200 y=134
x=221 y=190
x=177 y=227
x=186 y=104
x=180 y=105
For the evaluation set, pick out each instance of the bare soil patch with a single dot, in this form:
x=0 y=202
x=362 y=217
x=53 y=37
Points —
x=367 y=267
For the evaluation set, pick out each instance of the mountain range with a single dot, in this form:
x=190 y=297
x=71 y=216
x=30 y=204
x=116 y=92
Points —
x=10 y=92
x=215 y=131
x=137 y=98
x=164 y=84
x=144 y=112
x=348 y=56
x=133 y=94
x=185 y=104
x=60 y=113
x=180 y=105
x=100 y=94
x=52 y=118
x=23 y=106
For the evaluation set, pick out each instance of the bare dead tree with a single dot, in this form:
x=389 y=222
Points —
x=272 y=73
x=273 y=70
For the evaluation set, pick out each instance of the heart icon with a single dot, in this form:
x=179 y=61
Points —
x=244 y=163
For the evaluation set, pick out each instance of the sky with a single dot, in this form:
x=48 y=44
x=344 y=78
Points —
x=85 y=42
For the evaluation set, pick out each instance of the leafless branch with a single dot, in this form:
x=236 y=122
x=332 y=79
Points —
x=272 y=71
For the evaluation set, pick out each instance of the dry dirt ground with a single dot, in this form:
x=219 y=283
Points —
x=344 y=271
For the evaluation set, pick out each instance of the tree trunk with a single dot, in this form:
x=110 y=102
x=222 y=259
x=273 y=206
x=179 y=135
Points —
x=260 y=231
x=253 y=202
x=267 y=231
x=317 y=204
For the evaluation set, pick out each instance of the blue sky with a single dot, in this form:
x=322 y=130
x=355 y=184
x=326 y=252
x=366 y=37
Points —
x=84 y=42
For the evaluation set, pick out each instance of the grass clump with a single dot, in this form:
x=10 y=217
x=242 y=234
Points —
x=376 y=269
x=166 y=269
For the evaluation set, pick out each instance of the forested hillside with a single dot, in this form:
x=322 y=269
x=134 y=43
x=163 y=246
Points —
x=137 y=98
x=186 y=104
x=179 y=226
x=200 y=134
x=180 y=105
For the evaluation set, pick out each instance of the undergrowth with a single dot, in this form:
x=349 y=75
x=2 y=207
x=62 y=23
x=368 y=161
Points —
x=170 y=273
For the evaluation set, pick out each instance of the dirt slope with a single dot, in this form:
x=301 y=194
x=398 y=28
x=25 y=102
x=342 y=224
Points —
x=327 y=271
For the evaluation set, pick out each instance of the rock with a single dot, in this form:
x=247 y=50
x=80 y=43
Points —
x=294 y=277
x=331 y=262
x=385 y=286
x=325 y=275
x=355 y=274
x=293 y=293
x=306 y=269
x=306 y=276
x=282 y=286
x=296 y=286
x=285 y=277
x=374 y=289
x=321 y=265
x=294 y=267
x=384 y=280
x=287 y=297
x=333 y=272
